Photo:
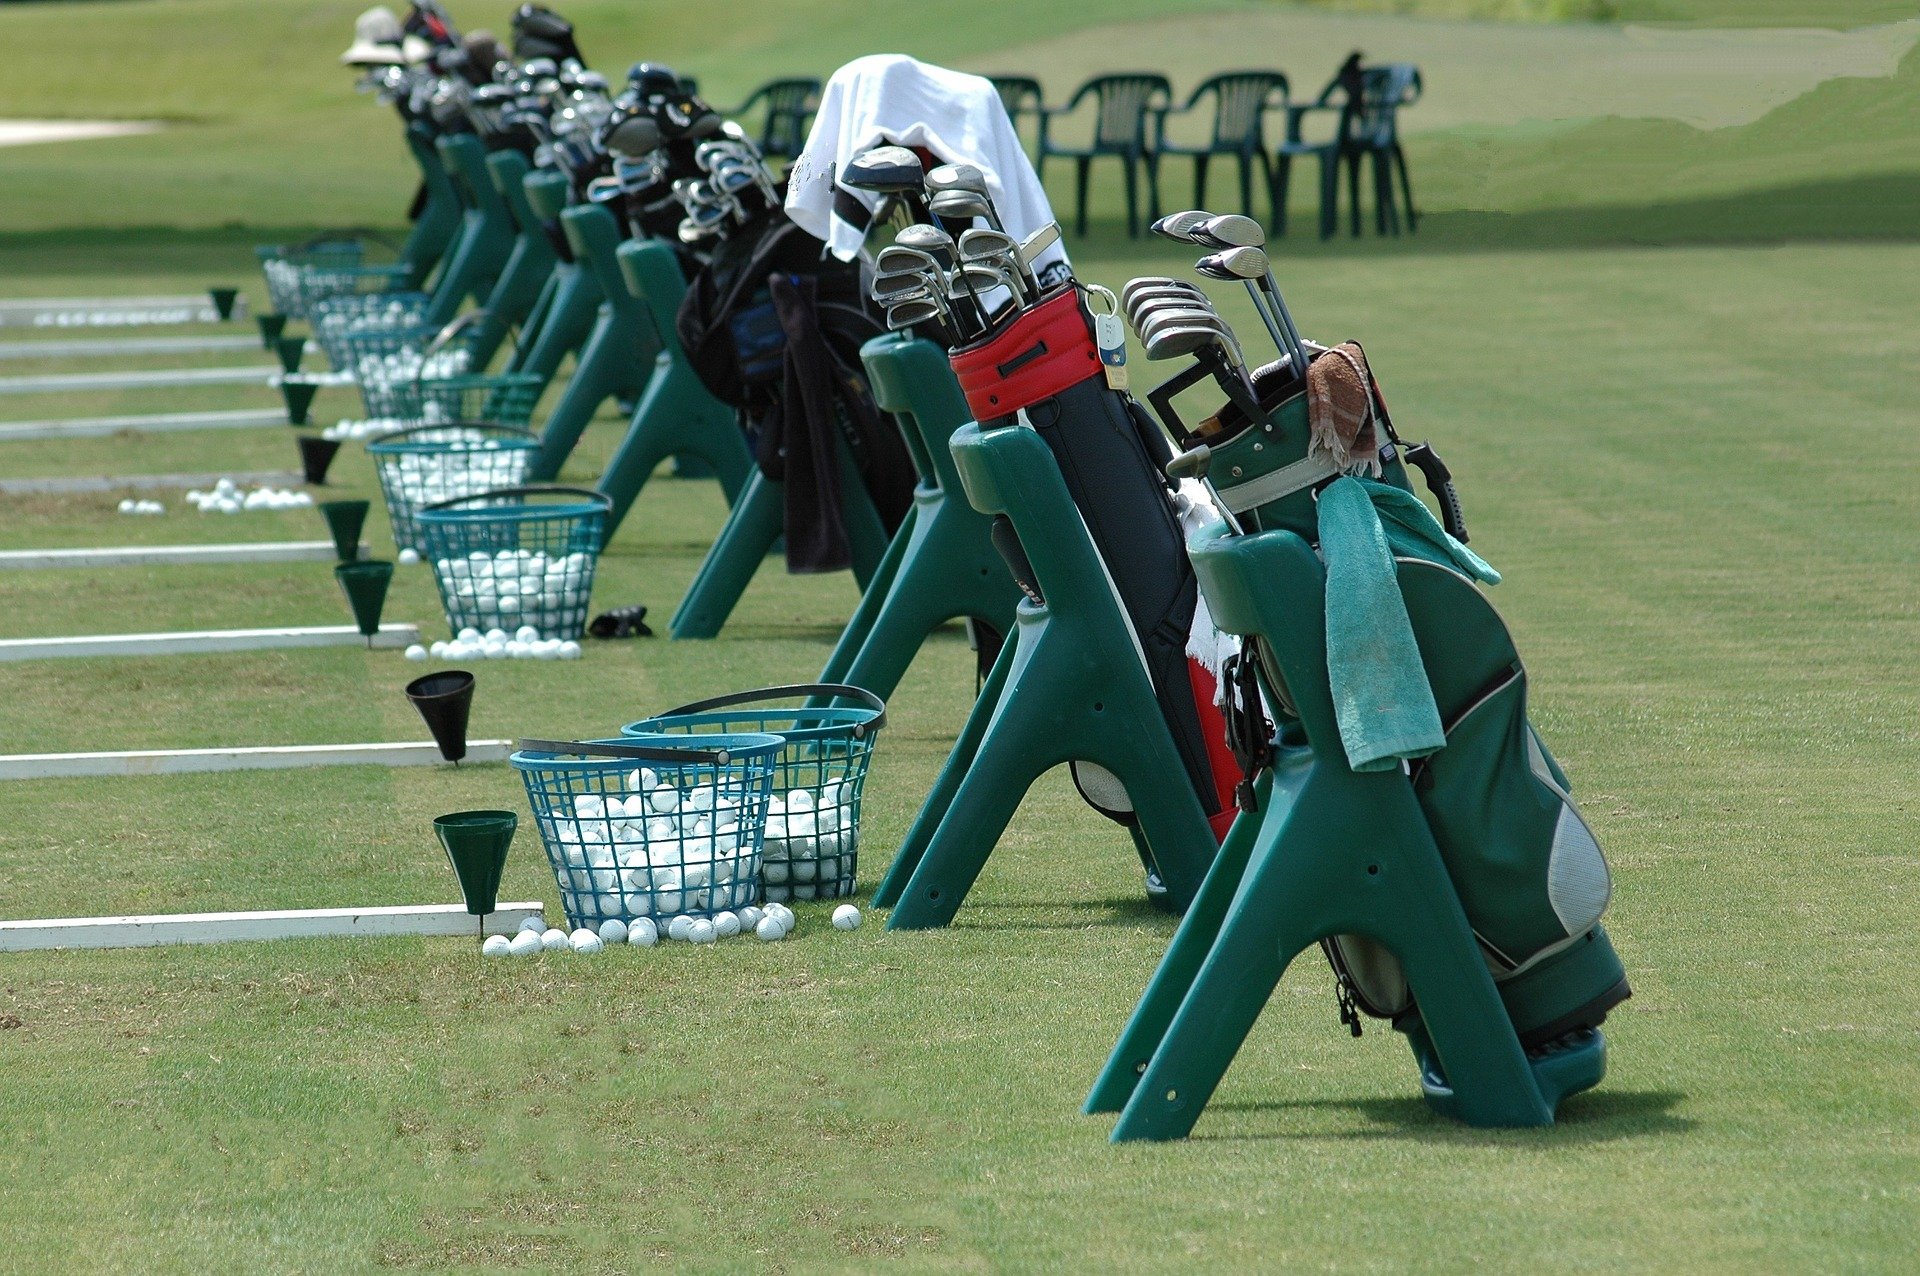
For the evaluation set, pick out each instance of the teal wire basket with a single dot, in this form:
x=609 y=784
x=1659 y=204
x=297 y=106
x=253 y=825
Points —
x=812 y=841
x=515 y=557
x=281 y=264
x=428 y=464
x=347 y=328
x=650 y=826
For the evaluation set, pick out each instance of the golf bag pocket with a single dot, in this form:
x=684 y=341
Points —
x=1043 y=352
x=1528 y=870
x=759 y=343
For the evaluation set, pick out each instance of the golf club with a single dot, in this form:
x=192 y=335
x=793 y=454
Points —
x=938 y=245
x=1222 y=265
x=964 y=177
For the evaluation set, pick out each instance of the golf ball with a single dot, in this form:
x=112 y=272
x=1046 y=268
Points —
x=785 y=914
x=770 y=930
x=679 y=927
x=643 y=933
x=585 y=941
x=554 y=940
x=409 y=556
x=701 y=932
x=749 y=917
x=846 y=917
x=613 y=930
x=725 y=924
x=416 y=652
x=569 y=650
x=497 y=946
x=534 y=924
x=525 y=944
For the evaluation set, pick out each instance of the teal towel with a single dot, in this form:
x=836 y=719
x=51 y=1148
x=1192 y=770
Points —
x=1382 y=701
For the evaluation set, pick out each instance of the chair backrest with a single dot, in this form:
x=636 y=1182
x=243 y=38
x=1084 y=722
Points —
x=790 y=105
x=1121 y=103
x=1384 y=90
x=1018 y=93
x=1241 y=101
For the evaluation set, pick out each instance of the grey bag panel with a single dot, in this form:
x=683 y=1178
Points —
x=1375 y=976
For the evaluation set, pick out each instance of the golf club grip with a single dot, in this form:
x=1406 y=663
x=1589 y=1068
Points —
x=1440 y=482
x=637 y=752
x=835 y=690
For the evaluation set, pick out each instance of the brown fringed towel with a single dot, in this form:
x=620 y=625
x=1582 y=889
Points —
x=1340 y=410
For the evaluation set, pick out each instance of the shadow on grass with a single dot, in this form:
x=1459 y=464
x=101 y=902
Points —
x=1596 y=1116
x=1883 y=208
x=1065 y=914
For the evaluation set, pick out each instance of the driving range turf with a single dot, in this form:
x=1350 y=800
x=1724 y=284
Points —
x=1682 y=427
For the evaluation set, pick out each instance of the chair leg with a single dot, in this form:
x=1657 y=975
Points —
x=1406 y=187
x=1246 y=183
x=1353 y=193
x=1386 y=218
x=1279 y=187
x=1133 y=196
x=1200 y=180
x=1329 y=194
x=1085 y=166
x=1152 y=162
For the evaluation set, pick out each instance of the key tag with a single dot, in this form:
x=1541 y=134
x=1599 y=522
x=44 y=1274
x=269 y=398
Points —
x=1110 y=338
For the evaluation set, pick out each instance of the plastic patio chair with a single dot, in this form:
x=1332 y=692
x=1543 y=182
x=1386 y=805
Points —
x=789 y=106
x=1020 y=94
x=1366 y=101
x=1121 y=105
x=1241 y=100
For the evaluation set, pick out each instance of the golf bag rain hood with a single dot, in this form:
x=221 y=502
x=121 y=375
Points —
x=890 y=98
x=1044 y=372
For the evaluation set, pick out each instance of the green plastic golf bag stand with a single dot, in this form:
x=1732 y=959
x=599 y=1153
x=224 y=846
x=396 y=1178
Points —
x=478 y=253
x=676 y=415
x=754 y=526
x=1459 y=897
x=439 y=215
x=529 y=262
x=562 y=318
x=941 y=564
x=1069 y=686
x=618 y=352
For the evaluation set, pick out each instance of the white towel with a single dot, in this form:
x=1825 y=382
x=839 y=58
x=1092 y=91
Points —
x=890 y=98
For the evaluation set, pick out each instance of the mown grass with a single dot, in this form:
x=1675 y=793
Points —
x=1693 y=461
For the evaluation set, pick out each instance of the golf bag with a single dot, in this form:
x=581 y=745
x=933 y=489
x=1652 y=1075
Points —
x=773 y=327
x=1044 y=371
x=1528 y=871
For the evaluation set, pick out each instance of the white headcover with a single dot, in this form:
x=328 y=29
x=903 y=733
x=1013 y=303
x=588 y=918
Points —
x=891 y=98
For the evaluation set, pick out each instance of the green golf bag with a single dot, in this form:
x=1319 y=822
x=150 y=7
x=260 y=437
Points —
x=1528 y=871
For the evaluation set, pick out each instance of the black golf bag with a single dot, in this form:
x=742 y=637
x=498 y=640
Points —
x=1045 y=370
x=773 y=326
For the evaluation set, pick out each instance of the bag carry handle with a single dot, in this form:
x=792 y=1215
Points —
x=637 y=752
x=538 y=489
x=837 y=690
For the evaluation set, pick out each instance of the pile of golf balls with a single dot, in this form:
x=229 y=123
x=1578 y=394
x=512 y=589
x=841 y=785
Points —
x=656 y=851
x=227 y=498
x=496 y=590
x=459 y=468
x=372 y=427
x=770 y=925
x=142 y=507
x=524 y=643
x=809 y=831
x=383 y=370
x=351 y=318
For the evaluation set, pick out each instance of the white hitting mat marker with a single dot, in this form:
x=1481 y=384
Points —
x=161 y=422
x=204 y=641
x=155 y=929
x=149 y=379
x=271 y=757
x=145 y=482
x=112 y=312
x=157 y=555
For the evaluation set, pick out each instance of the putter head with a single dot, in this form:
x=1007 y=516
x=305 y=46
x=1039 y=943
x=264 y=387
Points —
x=1231 y=230
x=1180 y=226
x=888 y=170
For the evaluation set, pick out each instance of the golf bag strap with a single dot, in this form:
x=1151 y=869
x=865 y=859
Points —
x=835 y=690
x=1284 y=481
x=1045 y=351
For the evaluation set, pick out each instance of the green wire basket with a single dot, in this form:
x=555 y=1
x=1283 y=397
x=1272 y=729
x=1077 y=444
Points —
x=432 y=463
x=812 y=839
x=350 y=326
x=281 y=264
x=650 y=826
x=515 y=557
x=504 y=397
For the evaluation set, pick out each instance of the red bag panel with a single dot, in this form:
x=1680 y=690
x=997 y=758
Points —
x=1046 y=350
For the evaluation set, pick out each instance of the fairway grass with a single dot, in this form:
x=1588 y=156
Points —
x=1671 y=369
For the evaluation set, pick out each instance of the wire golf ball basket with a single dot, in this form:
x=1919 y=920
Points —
x=506 y=397
x=282 y=264
x=349 y=328
x=515 y=557
x=314 y=283
x=428 y=464
x=651 y=826
x=812 y=840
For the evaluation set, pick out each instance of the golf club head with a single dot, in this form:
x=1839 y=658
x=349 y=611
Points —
x=886 y=170
x=1189 y=296
x=1231 y=230
x=1155 y=281
x=950 y=177
x=901 y=259
x=928 y=241
x=1179 y=317
x=909 y=314
x=960 y=205
x=1180 y=226
x=1172 y=342
x=889 y=289
x=1038 y=242
x=1155 y=310
x=984 y=245
x=1244 y=264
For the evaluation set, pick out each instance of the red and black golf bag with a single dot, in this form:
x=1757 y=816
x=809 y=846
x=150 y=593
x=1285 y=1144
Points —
x=1044 y=371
